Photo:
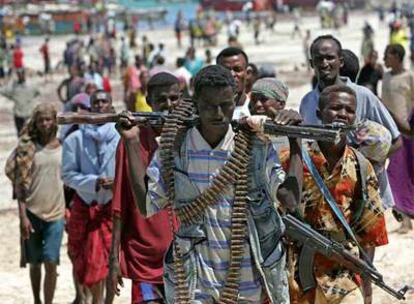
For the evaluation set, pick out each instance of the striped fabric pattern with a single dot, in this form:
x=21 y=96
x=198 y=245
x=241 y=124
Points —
x=212 y=255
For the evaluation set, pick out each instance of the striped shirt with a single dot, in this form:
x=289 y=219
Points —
x=213 y=255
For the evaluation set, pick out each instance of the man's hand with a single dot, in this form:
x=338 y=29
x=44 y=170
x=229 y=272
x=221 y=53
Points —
x=26 y=227
x=115 y=275
x=287 y=117
x=126 y=126
x=104 y=183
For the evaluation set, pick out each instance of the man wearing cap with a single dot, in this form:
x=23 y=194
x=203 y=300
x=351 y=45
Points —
x=268 y=96
x=89 y=169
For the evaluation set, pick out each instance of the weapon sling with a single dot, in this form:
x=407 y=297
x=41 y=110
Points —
x=331 y=201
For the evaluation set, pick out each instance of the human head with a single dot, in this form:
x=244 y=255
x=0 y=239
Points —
x=180 y=62
x=81 y=103
x=208 y=56
x=90 y=87
x=372 y=58
x=42 y=123
x=337 y=103
x=138 y=61
x=394 y=55
x=159 y=60
x=163 y=92
x=326 y=58
x=235 y=60
x=214 y=97
x=252 y=73
x=350 y=67
x=268 y=96
x=191 y=52
x=101 y=102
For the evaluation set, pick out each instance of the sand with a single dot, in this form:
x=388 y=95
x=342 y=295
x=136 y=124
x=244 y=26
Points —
x=394 y=260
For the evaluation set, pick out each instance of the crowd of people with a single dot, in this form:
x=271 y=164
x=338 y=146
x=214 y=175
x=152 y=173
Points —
x=135 y=206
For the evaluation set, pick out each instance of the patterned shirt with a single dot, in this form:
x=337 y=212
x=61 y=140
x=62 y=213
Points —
x=213 y=254
x=343 y=183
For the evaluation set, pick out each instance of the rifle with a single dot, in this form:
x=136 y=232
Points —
x=313 y=242
x=330 y=133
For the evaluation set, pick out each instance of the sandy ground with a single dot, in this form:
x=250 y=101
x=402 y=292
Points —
x=394 y=261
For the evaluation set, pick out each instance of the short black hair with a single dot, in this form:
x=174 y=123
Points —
x=325 y=37
x=98 y=94
x=213 y=76
x=397 y=50
x=337 y=88
x=180 y=62
x=231 y=51
x=161 y=79
x=255 y=70
x=351 y=65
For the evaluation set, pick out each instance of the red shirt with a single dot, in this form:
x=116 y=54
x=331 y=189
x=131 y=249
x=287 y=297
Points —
x=45 y=51
x=143 y=241
x=18 y=58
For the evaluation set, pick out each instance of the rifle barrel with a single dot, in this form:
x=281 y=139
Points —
x=313 y=132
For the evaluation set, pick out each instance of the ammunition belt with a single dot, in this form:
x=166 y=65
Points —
x=234 y=172
x=171 y=137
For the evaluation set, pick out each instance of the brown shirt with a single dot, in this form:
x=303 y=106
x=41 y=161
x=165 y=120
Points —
x=46 y=199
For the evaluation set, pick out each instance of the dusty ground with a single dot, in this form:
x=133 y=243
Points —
x=394 y=261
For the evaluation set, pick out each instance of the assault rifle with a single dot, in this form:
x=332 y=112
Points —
x=313 y=242
x=330 y=133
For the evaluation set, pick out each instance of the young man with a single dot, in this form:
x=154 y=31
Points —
x=236 y=61
x=139 y=244
x=342 y=172
x=34 y=167
x=23 y=96
x=205 y=244
x=398 y=96
x=326 y=54
x=89 y=168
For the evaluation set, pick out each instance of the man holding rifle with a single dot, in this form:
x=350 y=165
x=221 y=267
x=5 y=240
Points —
x=353 y=188
x=200 y=265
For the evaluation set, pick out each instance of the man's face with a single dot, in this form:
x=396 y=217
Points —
x=45 y=123
x=215 y=107
x=165 y=98
x=340 y=108
x=263 y=105
x=390 y=60
x=237 y=65
x=101 y=104
x=326 y=61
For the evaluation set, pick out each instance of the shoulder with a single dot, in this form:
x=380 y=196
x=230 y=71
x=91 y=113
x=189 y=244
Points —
x=73 y=138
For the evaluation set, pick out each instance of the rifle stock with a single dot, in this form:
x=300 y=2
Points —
x=313 y=242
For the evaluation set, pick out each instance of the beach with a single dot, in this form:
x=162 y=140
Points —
x=278 y=49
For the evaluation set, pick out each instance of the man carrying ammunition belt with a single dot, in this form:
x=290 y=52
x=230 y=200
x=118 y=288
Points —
x=224 y=187
x=352 y=189
x=139 y=244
